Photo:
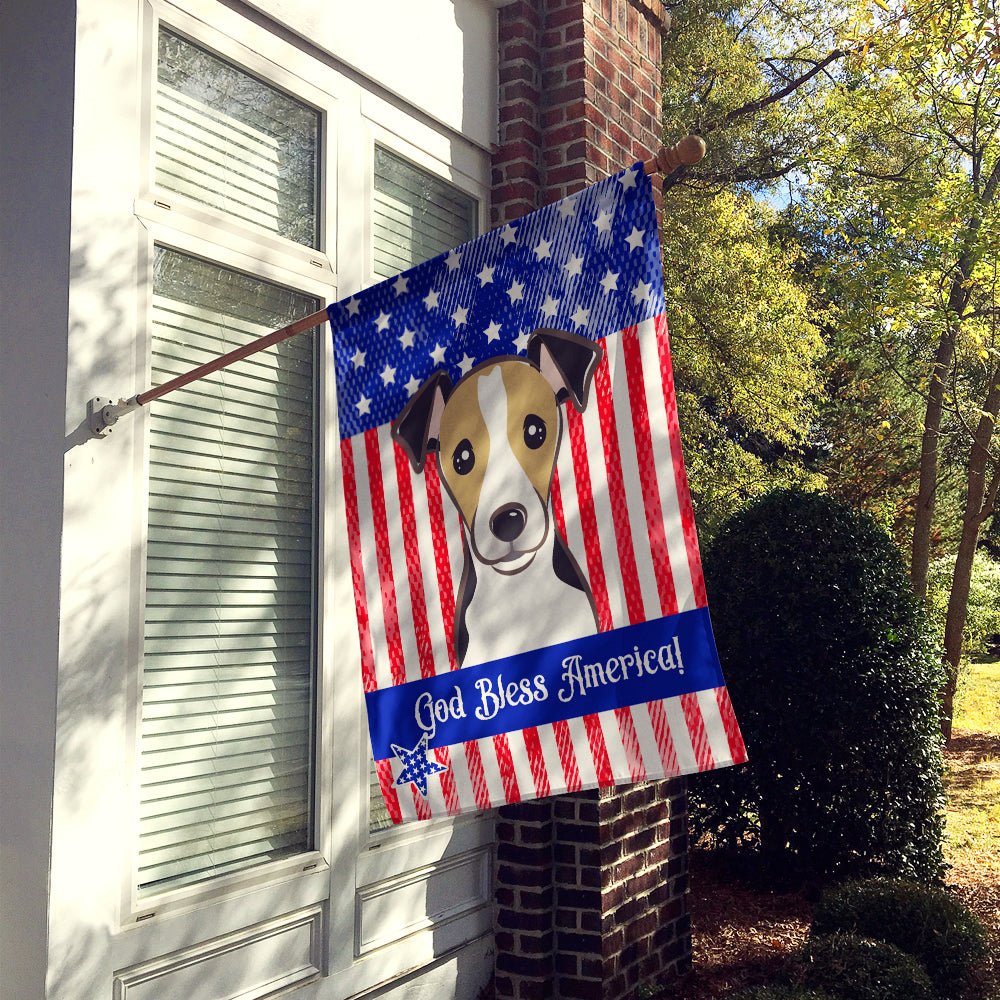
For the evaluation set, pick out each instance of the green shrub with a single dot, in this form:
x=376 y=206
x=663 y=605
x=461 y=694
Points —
x=856 y=968
x=925 y=922
x=833 y=673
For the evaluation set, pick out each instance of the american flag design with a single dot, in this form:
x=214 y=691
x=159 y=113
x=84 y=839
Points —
x=588 y=265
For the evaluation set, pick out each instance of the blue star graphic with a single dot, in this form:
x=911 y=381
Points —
x=417 y=766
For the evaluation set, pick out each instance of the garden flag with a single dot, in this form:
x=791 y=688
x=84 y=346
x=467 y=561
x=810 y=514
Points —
x=530 y=604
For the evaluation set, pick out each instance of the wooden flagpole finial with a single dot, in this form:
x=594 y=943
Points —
x=667 y=159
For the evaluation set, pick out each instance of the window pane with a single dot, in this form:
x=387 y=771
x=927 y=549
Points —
x=416 y=217
x=228 y=676
x=228 y=140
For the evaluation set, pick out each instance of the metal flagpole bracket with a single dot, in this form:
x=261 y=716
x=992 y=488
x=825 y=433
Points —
x=103 y=413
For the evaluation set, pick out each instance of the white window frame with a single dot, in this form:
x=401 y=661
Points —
x=351 y=872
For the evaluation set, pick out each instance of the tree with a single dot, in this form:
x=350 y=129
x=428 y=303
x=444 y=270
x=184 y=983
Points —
x=912 y=190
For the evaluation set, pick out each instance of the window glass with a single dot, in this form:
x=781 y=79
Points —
x=416 y=216
x=228 y=140
x=228 y=657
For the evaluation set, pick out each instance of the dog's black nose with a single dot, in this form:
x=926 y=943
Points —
x=508 y=522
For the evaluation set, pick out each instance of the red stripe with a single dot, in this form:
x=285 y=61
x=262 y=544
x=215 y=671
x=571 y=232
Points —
x=448 y=785
x=737 y=750
x=599 y=590
x=567 y=756
x=413 y=569
x=385 y=780
x=680 y=476
x=357 y=569
x=630 y=741
x=475 y=762
x=511 y=792
x=595 y=736
x=536 y=760
x=617 y=495
x=442 y=562
x=380 y=524
x=420 y=804
x=655 y=527
x=696 y=730
x=664 y=741
x=588 y=520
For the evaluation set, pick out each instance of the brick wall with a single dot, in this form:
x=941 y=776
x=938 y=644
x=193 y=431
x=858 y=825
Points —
x=591 y=888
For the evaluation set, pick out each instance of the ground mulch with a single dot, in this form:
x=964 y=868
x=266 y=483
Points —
x=743 y=934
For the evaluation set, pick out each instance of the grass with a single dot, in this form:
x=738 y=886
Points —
x=973 y=781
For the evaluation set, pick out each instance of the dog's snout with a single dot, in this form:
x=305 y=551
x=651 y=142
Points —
x=508 y=522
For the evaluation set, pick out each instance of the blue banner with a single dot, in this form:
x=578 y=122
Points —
x=662 y=658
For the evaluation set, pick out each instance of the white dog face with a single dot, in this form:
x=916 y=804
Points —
x=498 y=439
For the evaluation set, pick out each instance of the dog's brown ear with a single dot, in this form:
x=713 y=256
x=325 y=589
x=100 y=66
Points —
x=568 y=362
x=418 y=425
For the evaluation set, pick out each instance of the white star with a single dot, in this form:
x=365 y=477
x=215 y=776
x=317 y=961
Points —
x=358 y=359
x=521 y=342
x=406 y=338
x=485 y=276
x=627 y=179
x=352 y=306
x=508 y=235
x=516 y=291
x=466 y=364
x=634 y=239
x=400 y=284
x=603 y=222
x=431 y=299
x=581 y=316
x=453 y=260
x=610 y=282
x=412 y=385
x=492 y=332
x=641 y=292
x=567 y=207
x=437 y=355
x=550 y=306
x=543 y=250
x=364 y=406
x=459 y=315
x=574 y=267
x=388 y=375
x=383 y=321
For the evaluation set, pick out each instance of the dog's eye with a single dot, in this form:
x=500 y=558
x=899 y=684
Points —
x=534 y=431
x=463 y=458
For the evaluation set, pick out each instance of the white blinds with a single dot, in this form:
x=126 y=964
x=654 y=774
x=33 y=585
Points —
x=225 y=139
x=415 y=217
x=227 y=682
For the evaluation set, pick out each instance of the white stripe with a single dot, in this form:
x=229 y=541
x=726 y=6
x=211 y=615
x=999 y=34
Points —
x=550 y=754
x=648 y=742
x=463 y=778
x=714 y=727
x=584 y=755
x=660 y=434
x=522 y=766
x=683 y=747
x=617 y=756
x=491 y=769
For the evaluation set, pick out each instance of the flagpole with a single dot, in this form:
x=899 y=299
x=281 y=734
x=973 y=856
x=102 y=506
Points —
x=103 y=413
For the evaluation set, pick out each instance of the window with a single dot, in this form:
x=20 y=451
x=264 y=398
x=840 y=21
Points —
x=416 y=216
x=229 y=647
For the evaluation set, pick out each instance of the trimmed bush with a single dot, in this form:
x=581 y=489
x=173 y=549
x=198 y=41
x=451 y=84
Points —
x=925 y=922
x=856 y=968
x=834 y=673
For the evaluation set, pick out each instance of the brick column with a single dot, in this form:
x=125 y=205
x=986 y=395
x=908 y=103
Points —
x=591 y=888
